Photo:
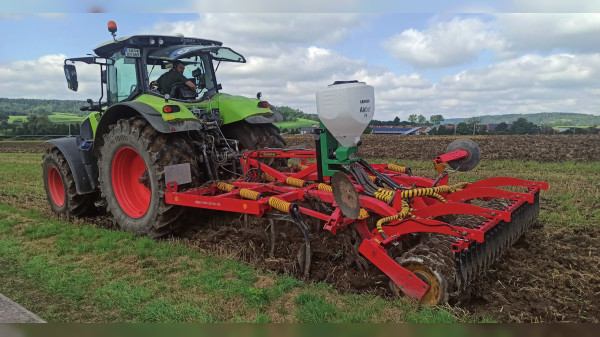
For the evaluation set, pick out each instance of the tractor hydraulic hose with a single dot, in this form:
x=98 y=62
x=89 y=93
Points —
x=385 y=195
x=404 y=212
x=280 y=205
x=382 y=177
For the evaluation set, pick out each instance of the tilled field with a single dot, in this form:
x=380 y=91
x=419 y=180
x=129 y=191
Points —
x=540 y=148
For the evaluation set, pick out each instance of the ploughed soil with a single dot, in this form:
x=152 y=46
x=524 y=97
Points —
x=541 y=148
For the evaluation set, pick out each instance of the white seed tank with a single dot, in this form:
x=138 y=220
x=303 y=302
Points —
x=346 y=108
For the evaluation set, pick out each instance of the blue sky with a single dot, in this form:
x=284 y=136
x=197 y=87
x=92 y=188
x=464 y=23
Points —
x=454 y=64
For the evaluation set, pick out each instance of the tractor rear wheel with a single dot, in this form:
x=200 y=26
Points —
x=254 y=136
x=60 y=187
x=132 y=176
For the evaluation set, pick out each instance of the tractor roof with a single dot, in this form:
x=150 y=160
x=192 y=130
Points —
x=141 y=41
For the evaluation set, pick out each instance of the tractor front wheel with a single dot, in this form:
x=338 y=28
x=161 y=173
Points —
x=59 y=185
x=132 y=180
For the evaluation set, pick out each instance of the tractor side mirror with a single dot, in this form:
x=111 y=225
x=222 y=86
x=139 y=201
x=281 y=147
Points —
x=103 y=76
x=219 y=86
x=71 y=75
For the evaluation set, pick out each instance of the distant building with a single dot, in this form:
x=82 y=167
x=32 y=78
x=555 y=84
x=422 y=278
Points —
x=396 y=131
x=308 y=129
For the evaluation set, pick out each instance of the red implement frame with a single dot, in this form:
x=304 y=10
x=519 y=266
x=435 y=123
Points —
x=374 y=245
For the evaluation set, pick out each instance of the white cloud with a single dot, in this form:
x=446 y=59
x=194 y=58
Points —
x=45 y=78
x=550 y=32
x=444 y=44
x=249 y=30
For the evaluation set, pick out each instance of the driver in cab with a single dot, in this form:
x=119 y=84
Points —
x=175 y=75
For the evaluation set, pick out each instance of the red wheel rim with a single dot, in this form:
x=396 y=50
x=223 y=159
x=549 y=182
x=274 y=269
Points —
x=127 y=168
x=56 y=187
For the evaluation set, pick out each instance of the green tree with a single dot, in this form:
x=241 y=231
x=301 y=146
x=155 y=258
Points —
x=523 y=127
x=421 y=119
x=463 y=129
x=501 y=128
x=397 y=121
x=436 y=119
x=413 y=118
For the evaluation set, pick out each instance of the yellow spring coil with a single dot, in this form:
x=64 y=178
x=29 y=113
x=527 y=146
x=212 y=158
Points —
x=268 y=177
x=363 y=214
x=404 y=212
x=279 y=204
x=384 y=195
x=225 y=186
x=249 y=194
x=393 y=167
x=324 y=187
x=294 y=182
x=373 y=178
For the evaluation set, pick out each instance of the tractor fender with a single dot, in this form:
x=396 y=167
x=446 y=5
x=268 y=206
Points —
x=131 y=109
x=85 y=182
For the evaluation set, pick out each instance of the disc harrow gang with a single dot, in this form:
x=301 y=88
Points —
x=460 y=228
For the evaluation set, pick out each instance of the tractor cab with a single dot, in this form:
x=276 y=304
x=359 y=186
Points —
x=131 y=65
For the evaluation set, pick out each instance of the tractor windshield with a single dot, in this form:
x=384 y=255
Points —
x=197 y=70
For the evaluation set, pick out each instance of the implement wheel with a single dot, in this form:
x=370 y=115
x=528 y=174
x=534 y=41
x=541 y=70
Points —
x=131 y=174
x=59 y=185
x=434 y=294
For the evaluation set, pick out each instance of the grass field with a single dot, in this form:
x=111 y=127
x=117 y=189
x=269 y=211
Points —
x=82 y=271
x=57 y=117
x=299 y=123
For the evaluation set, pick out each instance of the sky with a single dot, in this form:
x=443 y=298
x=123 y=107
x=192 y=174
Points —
x=463 y=61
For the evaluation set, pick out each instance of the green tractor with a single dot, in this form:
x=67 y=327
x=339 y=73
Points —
x=138 y=138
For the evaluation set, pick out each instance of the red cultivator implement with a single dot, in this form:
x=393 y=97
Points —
x=386 y=205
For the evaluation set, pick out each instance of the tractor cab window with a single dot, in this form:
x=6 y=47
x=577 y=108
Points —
x=122 y=78
x=197 y=70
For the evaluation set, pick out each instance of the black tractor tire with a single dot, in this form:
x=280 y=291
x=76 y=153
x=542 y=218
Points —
x=254 y=136
x=59 y=185
x=257 y=137
x=131 y=167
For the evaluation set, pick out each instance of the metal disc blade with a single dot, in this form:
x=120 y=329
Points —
x=345 y=195
x=471 y=160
